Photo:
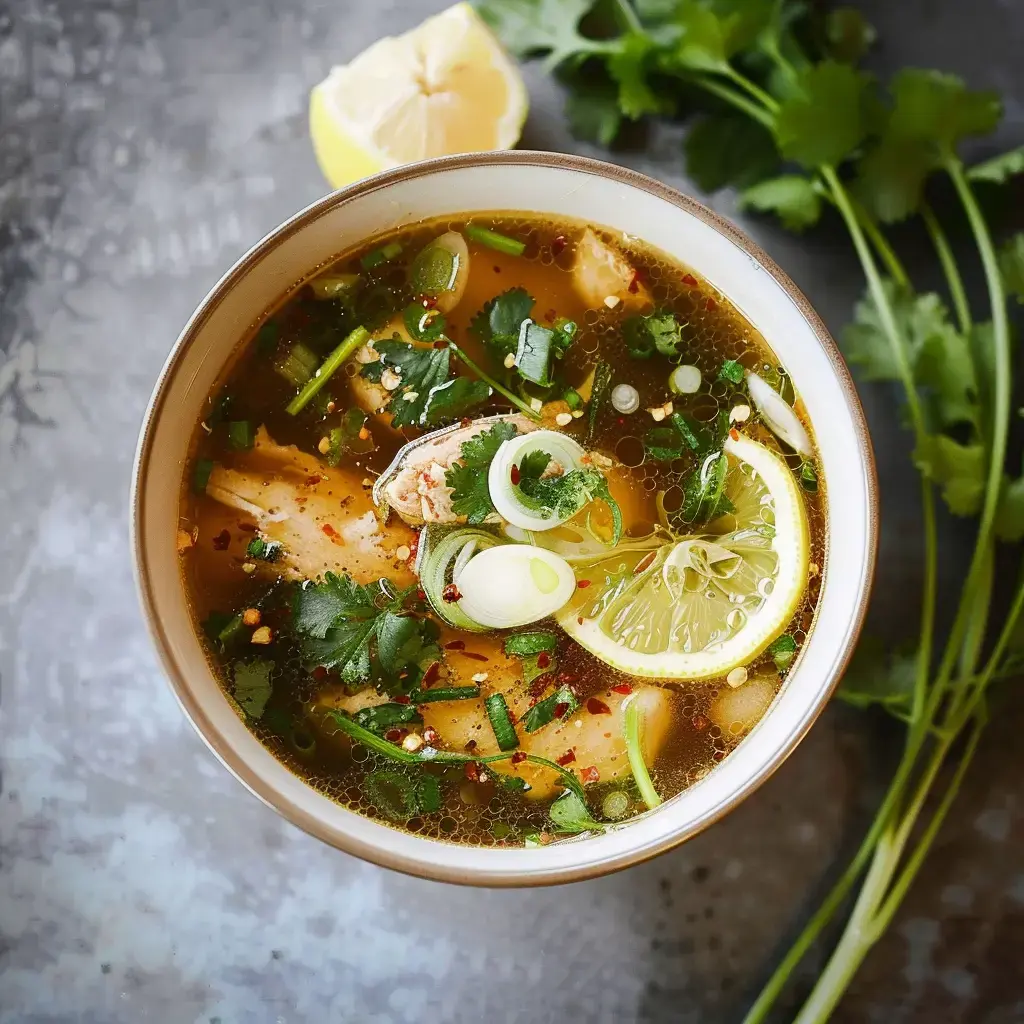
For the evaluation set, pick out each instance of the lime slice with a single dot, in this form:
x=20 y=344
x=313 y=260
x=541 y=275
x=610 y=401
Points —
x=697 y=607
x=445 y=87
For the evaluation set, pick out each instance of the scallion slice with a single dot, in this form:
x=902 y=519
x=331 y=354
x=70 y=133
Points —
x=241 y=436
x=444 y=693
x=383 y=254
x=437 y=571
x=334 y=286
x=383 y=716
x=495 y=240
x=201 y=475
x=501 y=721
x=298 y=366
x=359 y=337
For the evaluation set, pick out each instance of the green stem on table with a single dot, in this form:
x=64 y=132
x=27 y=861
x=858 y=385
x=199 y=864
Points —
x=492 y=383
x=1002 y=375
x=737 y=99
x=766 y=99
x=953 y=279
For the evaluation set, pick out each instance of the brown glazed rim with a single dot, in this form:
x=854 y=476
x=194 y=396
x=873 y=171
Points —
x=379 y=853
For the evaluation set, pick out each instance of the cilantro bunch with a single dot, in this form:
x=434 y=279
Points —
x=780 y=111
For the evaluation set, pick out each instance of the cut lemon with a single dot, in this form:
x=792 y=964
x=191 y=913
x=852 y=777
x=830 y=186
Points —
x=697 y=607
x=446 y=87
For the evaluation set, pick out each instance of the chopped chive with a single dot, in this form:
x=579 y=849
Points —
x=495 y=240
x=264 y=550
x=533 y=642
x=384 y=716
x=240 y=435
x=384 y=254
x=444 y=693
x=298 y=366
x=598 y=394
x=223 y=629
x=560 y=704
x=359 y=337
x=201 y=475
x=501 y=721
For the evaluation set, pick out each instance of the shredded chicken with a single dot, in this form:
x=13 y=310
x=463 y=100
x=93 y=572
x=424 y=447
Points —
x=324 y=518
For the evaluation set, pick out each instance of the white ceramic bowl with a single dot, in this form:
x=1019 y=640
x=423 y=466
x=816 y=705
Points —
x=542 y=183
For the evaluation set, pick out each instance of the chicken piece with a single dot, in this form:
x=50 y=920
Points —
x=417 y=490
x=596 y=741
x=737 y=711
x=602 y=273
x=324 y=518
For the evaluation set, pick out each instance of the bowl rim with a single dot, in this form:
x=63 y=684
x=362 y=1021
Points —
x=235 y=762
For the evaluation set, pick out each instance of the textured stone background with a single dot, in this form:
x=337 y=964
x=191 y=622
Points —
x=144 y=144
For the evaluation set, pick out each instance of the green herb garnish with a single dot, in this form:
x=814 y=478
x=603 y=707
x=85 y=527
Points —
x=264 y=550
x=659 y=333
x=251 y=685
x=201 y=473
x=783 y=651
x=495 y=240
x=468 y=477
x=382 y=254
x=731 y=371
x=501 y=721
x=537 y=641
x=560 y=704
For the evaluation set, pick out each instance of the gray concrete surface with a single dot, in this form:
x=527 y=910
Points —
x=144 y=144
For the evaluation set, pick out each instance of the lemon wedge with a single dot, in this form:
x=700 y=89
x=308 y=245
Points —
x=697 y=607
x=445 y=87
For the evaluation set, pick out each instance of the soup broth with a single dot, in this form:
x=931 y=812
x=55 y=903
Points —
x=503 y=529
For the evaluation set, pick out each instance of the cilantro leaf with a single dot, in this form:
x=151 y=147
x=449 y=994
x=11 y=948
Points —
x=593 y=112
x=533 y=465
x=571 y=815
x=403 y=641
x=849 y=34
x=471 y=496
x=827 y=117
x=875 y=676
x=251 y=685
x=706 y=39
x=959 y=469
x=999 y=169
x=792 y=197
x=451 y=400
x=704 y=497
x=731 y=371
x=534 y=352
x=628 y=66
x=645 y=335
x=533 y=27
x=317 y=606
x=563 y=496
x=498 y=324
x=1011 y=265
x=783 y=651
x=729 y=150
x=423 y=324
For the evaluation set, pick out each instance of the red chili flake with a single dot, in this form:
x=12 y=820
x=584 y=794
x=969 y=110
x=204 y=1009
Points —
x=455 y=645
x=621 y=421
x=690 y=280
x=634 y=284
x=518 y=757
x=514 y=475
x=718 y=755
x=329 y=530
x=550 y=315
x=561 y=708
x=474 y=656
x=465 y=421
x=710 y=303
x=497 y=269
x=403 y=698
x=558 y=244
x=430 y=676
x=589 y=774
x=394 y=735
x=644 y=563
x=539 y=685
x=247 y=527
x=622 y=688
x=699 y=722
x=430 y=735
x=472 y=772
x=543 y=659
x=734 y=434
x=450 y=594
x=222 y=541
x=429 y=302
x=567 y=758
x=312 y=481
x=421 y=594
x=470 y=745
x=598 y=707
x=567 y=677
x=583 y=584
x=319 y=673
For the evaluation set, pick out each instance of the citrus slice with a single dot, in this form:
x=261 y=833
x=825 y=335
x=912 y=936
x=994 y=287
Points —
x=445 y=87
x=699 y=606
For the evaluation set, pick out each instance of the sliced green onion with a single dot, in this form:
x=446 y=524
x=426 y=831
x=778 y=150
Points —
x=438 y=570
x=383 y=716
x=572 y=398
x=299 y=365
x=444 y=693
x=495 y=240
x=241 y=436
x=561 y=704
x=632 y=731
x=334 y=286
x=536 y=641
x=264 y=550
x=501 y=721
x=201 y=475
x=383 y=254
x=359 y=337
x=598 y=394
x=684 y=380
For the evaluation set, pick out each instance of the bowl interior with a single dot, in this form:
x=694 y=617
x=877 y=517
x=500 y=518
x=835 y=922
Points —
x=540 y=183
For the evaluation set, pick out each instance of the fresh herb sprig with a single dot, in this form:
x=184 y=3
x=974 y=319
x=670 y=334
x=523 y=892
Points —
x=798 y=128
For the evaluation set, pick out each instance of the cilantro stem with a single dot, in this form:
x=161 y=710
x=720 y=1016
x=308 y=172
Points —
x=752 y=88
x=737 y=99
x=953 y=279
x=491 y=382
x=628 y=16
